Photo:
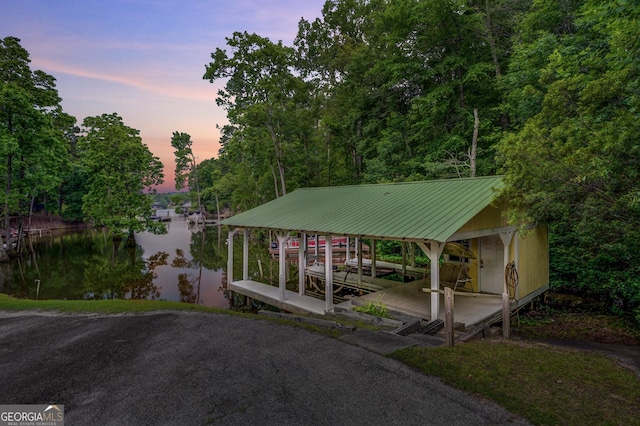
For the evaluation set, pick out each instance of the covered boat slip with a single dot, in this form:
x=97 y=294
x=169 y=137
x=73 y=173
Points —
x=430 y=214
x=408 y=299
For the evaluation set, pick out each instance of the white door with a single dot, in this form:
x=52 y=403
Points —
x=491 y=264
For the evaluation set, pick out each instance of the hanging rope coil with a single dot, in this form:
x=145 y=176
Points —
x=511 y=278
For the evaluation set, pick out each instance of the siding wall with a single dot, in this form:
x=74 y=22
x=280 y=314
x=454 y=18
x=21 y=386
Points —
x=531 y=250
x=533 y=260
x=489 y=217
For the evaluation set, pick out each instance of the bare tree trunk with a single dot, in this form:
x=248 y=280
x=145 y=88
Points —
x=275 y=181
x=474 y=143
x=194 y=168
x=490 y=39
x=20 y=242
x=278 y=154
x=218 y=206
x=282 y=181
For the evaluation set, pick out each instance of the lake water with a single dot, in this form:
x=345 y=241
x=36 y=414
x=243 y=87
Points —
x=187 y=264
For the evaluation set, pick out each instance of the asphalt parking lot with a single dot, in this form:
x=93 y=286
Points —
x=184 y=368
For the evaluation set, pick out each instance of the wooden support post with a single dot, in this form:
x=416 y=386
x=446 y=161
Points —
x=359 y=250
x=245 y=255
x=302 y=262
x=506 y=316
x=282 y=260
x=404 y=259
x=317 y=249
x=347 y=254
x=328 y=270
x=448 y=316
x=230 y=256
x=412 y=254
x=506 y=238
x=373 y=258
x=435 y=250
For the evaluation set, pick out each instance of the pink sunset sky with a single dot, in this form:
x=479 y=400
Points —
x=144 y=59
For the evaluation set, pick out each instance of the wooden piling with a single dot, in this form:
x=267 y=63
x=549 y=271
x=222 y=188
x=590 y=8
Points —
x=506 y=316
x=448 y=316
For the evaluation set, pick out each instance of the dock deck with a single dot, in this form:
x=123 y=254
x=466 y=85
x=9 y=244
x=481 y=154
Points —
x=270 y=295
x=469 y=308
x=406 y=298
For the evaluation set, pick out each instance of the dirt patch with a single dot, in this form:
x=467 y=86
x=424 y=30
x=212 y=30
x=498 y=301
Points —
x=565 y=317
x=581 y=324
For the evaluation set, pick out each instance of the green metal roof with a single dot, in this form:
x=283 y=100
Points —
x=427 y=210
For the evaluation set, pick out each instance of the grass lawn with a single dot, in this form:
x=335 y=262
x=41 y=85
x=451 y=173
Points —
x=9 y=303
x=544 y=384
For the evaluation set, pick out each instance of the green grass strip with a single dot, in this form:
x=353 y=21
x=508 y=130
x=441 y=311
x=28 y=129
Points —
x=546 y=385
x=9 y=303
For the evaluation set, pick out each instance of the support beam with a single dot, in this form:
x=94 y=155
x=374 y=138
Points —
x=412 y=253
x=434 y=250
x=506 y=238
x=302 y=262
x=232 y=232
x=359 y=253
x=404 y=259
x=347 y=254
x=245 y=256
x=448 y=316
x=373 y=258
x=317 y=249
x=282 y=261
x=506 y=316
x=328 y=271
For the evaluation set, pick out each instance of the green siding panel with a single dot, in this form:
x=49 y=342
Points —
x=429 y=210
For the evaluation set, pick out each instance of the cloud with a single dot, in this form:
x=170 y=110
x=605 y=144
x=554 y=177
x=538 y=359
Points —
x=164 y=89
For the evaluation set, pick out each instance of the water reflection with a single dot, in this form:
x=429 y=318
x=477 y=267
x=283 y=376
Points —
x=186 y=265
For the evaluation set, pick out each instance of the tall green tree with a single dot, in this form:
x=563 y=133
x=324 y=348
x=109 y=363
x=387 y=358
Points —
x=372 y=91
x=333 y=54
x=573 y=157
x=186 y=165
x=122 y=172
x=31 y=145
x=264 y=99
x=401 y=81
x=74 y=180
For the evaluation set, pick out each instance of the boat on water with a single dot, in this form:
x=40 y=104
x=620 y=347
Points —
x=294 y=242
x=338 y=244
